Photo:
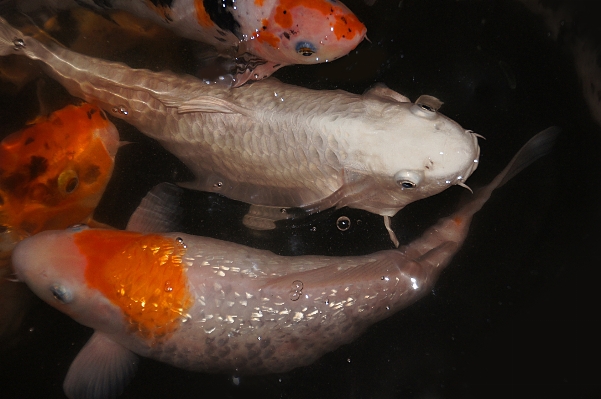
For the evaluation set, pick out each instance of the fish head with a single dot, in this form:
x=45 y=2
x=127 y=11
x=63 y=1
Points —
x=54 y=269
x=422 y=154
x=307 y=32
x=54 y=172
x=109 y=280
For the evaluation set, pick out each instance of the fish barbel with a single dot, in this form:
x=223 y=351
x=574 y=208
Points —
x=265 y=34
x=276 y=145
x=209 y=305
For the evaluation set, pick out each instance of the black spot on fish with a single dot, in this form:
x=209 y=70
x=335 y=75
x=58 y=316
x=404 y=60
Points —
x=287 y=35
x=29 y=140
x=219 y=12
x=37 y=166
x=343 y=20
x=284 y=12
x=46 y=146
x=90 y=113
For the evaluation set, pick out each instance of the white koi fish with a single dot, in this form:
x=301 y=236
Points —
x=209 y=305
x=265 y=35
x=275 y=145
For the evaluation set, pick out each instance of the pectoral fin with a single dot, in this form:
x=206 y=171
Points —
x=261 y=217
x=159 y=211
x=101 y=369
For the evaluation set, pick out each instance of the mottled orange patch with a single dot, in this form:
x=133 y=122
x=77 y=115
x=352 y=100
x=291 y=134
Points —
x=202 y=16
x=53 y=172
x=259 y=3
x=346 y=25
x=142 y=274
x=458 y=220
x=264 y=36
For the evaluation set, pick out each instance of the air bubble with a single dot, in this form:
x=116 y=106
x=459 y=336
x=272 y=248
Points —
x=313 y=228
x=168 y=287
x=219 y=184
x=121 y=109
x=343 y=223
x=297 y=289
x=18 y=44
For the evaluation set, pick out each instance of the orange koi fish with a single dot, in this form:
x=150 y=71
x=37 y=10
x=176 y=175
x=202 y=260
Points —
x=209 y=305
x=265 y=35
x=54 y=172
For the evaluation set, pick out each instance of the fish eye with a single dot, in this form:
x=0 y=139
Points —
x=61 y=293
x=305 y=48
x=78 y=227
x=408 y=179
x=68 y=181
x=426 y=107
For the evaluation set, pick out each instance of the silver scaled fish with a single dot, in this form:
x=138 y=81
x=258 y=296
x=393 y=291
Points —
x=209 y=305
x=275 y=145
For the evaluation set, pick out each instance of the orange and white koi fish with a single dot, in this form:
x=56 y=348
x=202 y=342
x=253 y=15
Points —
x=275 y=145
x=54 y=172
x=275 y=33
x=209 y=305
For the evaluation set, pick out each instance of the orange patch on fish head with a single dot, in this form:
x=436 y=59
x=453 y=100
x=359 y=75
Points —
x=141 y=274
x=203 y=18
x=53 y=173
x=310 y=31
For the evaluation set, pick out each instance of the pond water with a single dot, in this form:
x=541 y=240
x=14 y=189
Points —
x=511 y=315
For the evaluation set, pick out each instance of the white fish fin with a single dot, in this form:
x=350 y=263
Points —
x=391 y=232
x=101 y=369
x=208 y=104
x=356 y=189
x=380 y=90
x=159 y=211
x=260 y=217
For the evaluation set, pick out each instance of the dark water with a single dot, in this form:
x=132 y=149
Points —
x=514 y=313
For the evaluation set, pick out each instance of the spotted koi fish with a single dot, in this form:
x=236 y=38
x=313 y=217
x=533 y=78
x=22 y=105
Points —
x=264 y=35
x=54 y=172
x=209 y=305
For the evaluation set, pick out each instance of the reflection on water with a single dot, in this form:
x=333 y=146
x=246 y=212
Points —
x=504 y=316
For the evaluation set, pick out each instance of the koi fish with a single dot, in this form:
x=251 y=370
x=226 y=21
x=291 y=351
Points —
x=265 y=35
x=54 y=172
x=275 y=145
x=209 y=305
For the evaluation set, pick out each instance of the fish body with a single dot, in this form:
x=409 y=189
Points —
x=276 y=145
x=209 y=305
x=54 y=172
x=275 y=32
